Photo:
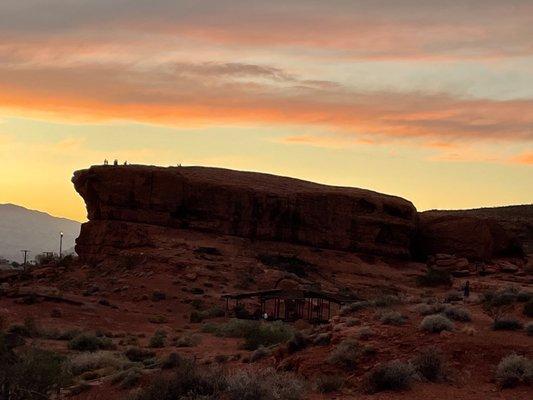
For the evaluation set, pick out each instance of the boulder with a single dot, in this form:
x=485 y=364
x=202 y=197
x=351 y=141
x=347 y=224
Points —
x=124 y=201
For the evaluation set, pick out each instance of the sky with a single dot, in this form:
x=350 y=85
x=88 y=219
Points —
x=428 y=100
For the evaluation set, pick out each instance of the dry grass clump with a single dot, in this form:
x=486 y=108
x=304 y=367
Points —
x=187 y=341
x=457 y=313
x=159 y=339
x=255 y=333
x=436 y=324
x=354 y=307
x=329 y=383
x=345 y=355
x=84 y=362
x=429 y=364
x=89 y=342
x=264 y=385
x=513 y=370
x=394 y=375
x=529 y=328
x=365 y=333
x=392 y=318
x=189 y=381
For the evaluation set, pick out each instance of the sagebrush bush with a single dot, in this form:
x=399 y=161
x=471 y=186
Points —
x=159 y=339
x=84 y=362
x=89 y=342
x=513 y=370
x=32 y=374
x=264 y=385
x=394 y=375
x=346 y=354
x=198 y=316
x=329 y=383
x=258 y=354
x=128 y=378
x=187 y=341
x=137 y=354
x=436 y=324
x=365 y=333
x=429 y=363
x=458 y=313
x=453 y=295
x=255 y=333
x=507 y=324
x=524 y=296
x=392 y=318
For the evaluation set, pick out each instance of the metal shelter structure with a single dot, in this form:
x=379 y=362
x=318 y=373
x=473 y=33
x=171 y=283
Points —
x=286 y=305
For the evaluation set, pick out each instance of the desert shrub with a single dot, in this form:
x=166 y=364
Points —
x=434 y=277
x=264 y=385
x=386 y=300
x=322 y=339
x=345 y=355
x=453 y=295
x=458 y=314
x=173 y=360
x=354 y=307
x=392 y=318
x=394 y=375
x=499 y=303
x=137 y=354
x=436 y=324
x=258 y=354
x=507 y=324
x=158 y=340
x=329 y=383
x=528 y=309
x=365 y=333
x=513 y=370
x=429 y=363
x=33 y=374
x=89 y=342
x=428 y=309
x=187 y=341
x=298 y=342
x=84 y=362
x=255 y=333
x=198 y=316
x=186 y=382
x=268 y=334
x=128 y=378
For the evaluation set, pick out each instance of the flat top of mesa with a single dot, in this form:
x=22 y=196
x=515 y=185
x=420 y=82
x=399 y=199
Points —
x=246 y=180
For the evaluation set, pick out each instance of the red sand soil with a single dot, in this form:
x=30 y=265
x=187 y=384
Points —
x=471 y=359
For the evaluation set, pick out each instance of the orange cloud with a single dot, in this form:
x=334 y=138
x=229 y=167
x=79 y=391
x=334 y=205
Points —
x=199 y=94
x=524 y=158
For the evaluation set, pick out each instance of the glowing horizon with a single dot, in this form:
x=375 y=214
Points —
x=429 y=101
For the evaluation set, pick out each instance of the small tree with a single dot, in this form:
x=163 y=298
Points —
x=497 y=305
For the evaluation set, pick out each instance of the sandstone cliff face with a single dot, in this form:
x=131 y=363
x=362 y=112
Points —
x=462 y=235
x=121 y=199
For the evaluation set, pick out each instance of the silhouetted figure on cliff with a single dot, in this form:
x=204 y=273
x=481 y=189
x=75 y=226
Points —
x=115 y=162
x=106 y=162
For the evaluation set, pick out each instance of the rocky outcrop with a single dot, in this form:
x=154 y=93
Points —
x=121 y=199
x=465 y=236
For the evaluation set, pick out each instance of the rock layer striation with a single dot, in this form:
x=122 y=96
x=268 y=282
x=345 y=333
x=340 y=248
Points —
x=120 y=200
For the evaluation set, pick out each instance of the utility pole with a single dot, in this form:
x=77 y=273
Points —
x=25 y=256
x=60 y=244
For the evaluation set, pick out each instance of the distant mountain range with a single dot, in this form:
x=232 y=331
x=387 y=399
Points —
x=21 y=228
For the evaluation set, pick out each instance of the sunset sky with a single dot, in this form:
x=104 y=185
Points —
x=428 y=100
